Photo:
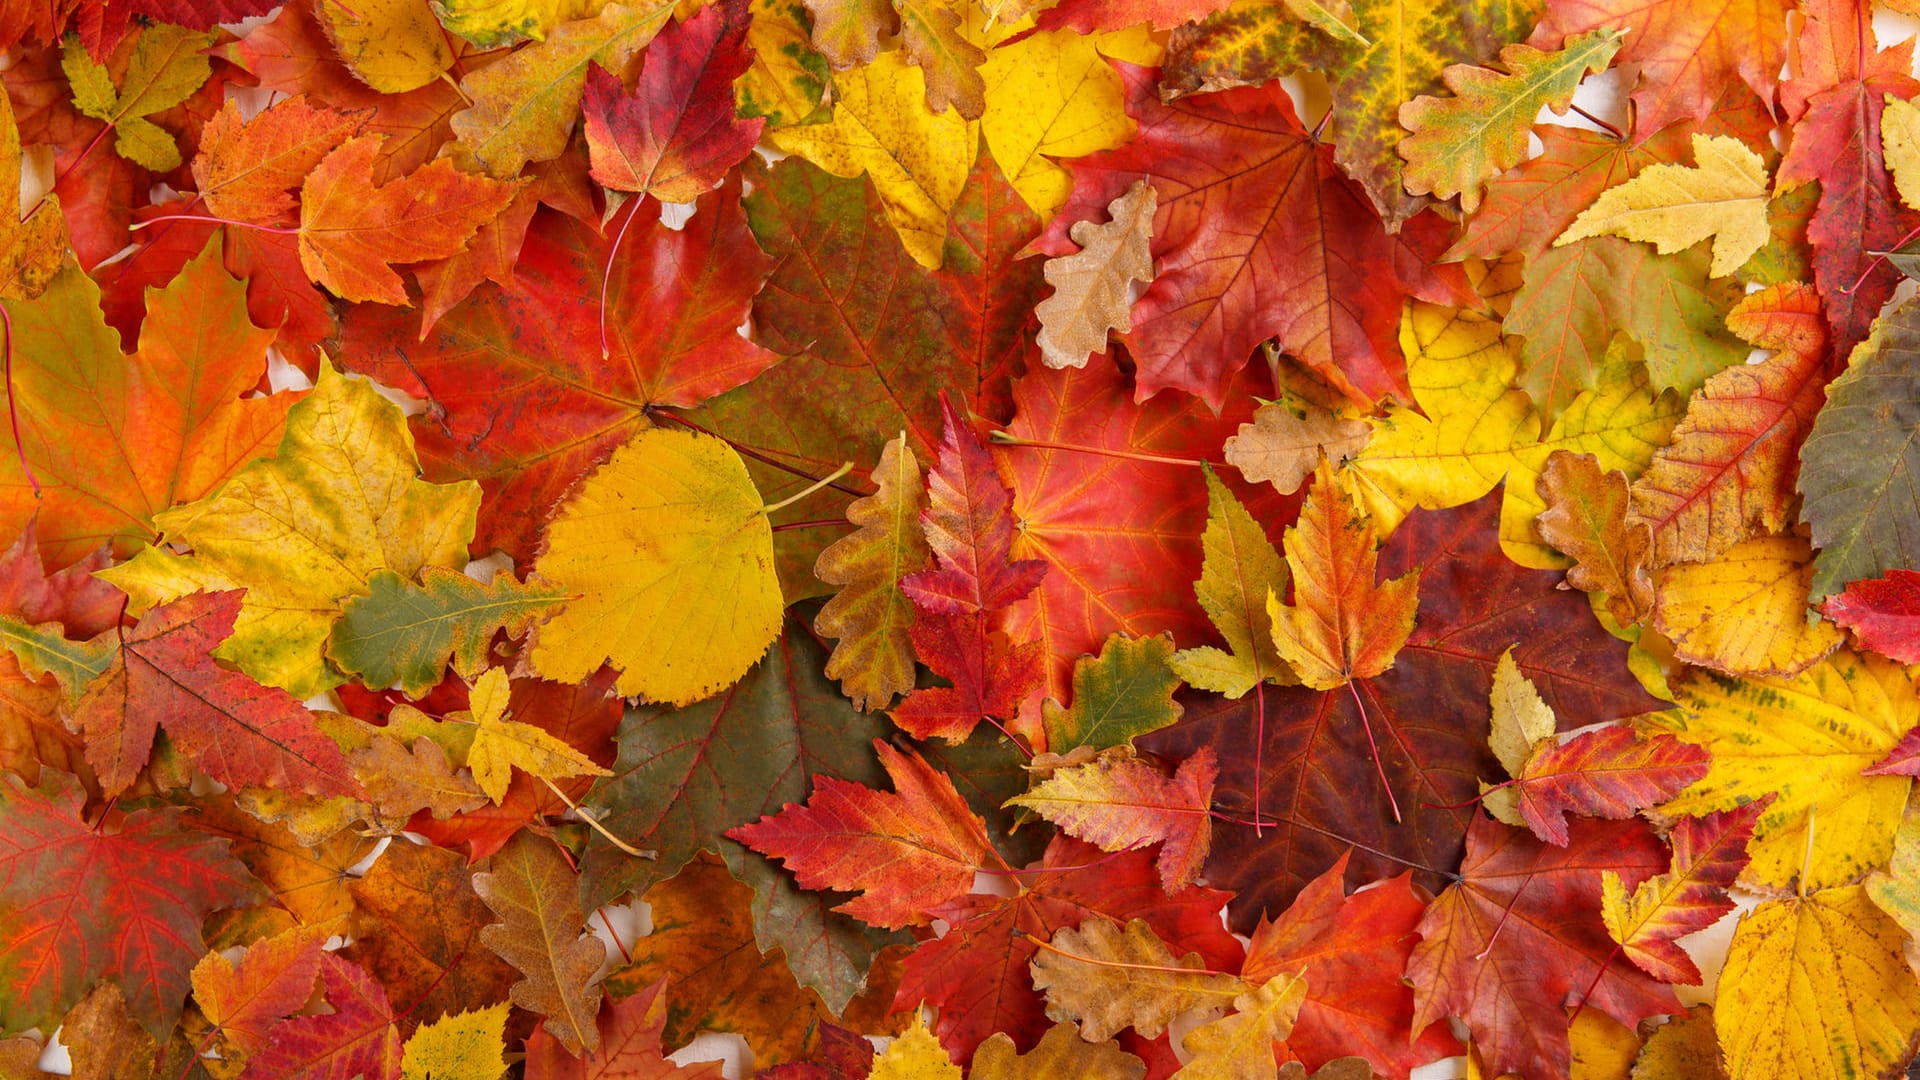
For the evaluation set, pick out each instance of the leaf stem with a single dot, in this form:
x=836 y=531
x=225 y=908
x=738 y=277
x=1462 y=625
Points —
x=68 y=171
x=282 y=230
x=1002 y=438
x=1259 y=754
x=13 y=402
x=820 y=523
x=1603 y=125
x=606 y=270
x=1049 y=946
x=1011 y=737
x=1878 y=258
x=825 y=481
x=750 y=452
x=586 y=816
x=1378 y=768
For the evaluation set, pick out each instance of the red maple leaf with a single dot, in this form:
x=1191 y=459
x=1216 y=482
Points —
x=1883 y=613
x=79 y=903
x=242 y=733
x=676 y=136
x=1428 y=713
x=630 y=1046
x=1352 y=949
x=1258 y=235
x=356 y=1039
x=1518 y=939
x=1610 y=773
x=978 y=973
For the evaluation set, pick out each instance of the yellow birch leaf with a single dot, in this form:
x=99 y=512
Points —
x=1051 y=96
x=914 y=1055
x=1240 y=1046
x=302 y=532
x=1282 y=448
x=500 y=745
x=1459 y=442
x=918 y=160
x=1900 y=139
x=1815 y=988
x=1093 y=287
x=525 y=105
x=1239 y=568
x=1060 y=1054
x=1805 y=738
x=469 y=1045
x=491 y=24
x=391 y=45
x=870 y=616
x=670 y=554
x=1107 y=978
x=1603 y=1048
x=1723 y=194
x=1746 y=613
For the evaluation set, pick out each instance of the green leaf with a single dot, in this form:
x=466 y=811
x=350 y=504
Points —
x=1240 y=567
x=1860 y=467
x=403 y=633
x=42 y=649
x=685 y=776
x=1126 y=691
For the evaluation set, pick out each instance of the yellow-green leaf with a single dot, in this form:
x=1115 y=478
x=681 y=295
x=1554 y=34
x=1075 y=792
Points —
x=167 y=66
x=1238 y=569
x=501 y=745
x=404 y=633
x=1240 y=1046
x=1723 y=194
x=469 y=1045
x=873 y=658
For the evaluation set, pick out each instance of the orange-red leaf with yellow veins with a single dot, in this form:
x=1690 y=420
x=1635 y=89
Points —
x=1607 y=773
x=272 y=981
x=676 y=136
x=357 y=1038
x=248 y=170
x=1341 y=625
x=1120 y=532
x=352 y=232
x=1519 y=936
x=1352 y=949
x=906 y=851
x=969 y=526
x=1708 y=854
x=1119 y=801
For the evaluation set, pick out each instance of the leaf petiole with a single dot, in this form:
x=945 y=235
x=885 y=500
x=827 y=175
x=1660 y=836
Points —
x=845 y=468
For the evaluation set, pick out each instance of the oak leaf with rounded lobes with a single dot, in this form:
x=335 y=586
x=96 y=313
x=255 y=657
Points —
x=1108 y=977
x=1093 y=287
x=531 y=886
x=1061 y=1052
x=646 y=543
x=1282 y=449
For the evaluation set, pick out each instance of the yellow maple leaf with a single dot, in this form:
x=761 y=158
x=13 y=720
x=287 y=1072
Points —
x=914 y=1055
x=1745 y=613
x=1238 y=569
x=1805 y=738
x=500 y=745
x=918 y=160
x=1723 y=194
x=469 y=1045
x=1053 y=95
x=1815 y=986
x=303 y=530
x=670 y=553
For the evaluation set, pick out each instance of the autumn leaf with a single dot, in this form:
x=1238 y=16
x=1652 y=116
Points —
x=1606 y=773
x=670 y=520
x=501 y=745
x=403 y=633
x=1052 y=96
x=1724 y=195
x=1745 y=612
x=1506 y=946
x=1282 y=449
x=531 y=888
x=676 y=136
x=1117 y=801
x=1240 y=567
x=1588 y=519
x=915 y=1055
x=630 y=1046
x=1060 y=1052
x=905 y=852
x=1459 y=142
x=1093 y=287
x=393 y=45
x=272 y=981
x=248 y=169
x=32 y=245
x=357 y=1038
x=459 y=1046
x=1842 y=998
x=1108 y=977
x=1241 y=1044
x=306 y=528
x=33 y=733
x=1125 y=692
x=83 y=904
x=167 y=65
x=1882 y=613
x=1708 y=854
x=871 y=614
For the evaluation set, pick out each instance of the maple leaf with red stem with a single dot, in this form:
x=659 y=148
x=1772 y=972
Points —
x=906 y=852
x=1507 y=946
x=122 y=901
x=676 y=136
x=978 y=974
x=242 y=733
x=1258 y=234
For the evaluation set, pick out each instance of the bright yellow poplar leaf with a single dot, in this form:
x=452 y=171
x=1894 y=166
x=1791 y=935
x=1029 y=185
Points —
x=1239 y=568
x=392 y=45
x=1900 y=139
x=1341 y=626
x=1458 y=444
x=1050 y=96
x=1815 y=989
x=873 y=658
x=914 y=1055
x=1603 y=1048
x=500 y=745
x=469 y=1045
x=1723 y=194
x=303 y=530
x=1240 y=1046
x=670 y=552
x=1746 y=613
x=918 y=160
x=1806 y=738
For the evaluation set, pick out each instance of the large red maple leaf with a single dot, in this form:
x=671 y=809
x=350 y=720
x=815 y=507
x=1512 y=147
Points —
x=1518 y=940
x=80 y=903
x=978 y=973
x=1106 y=493
x=1320 y=793
x=520 y=394
x=1258 y=235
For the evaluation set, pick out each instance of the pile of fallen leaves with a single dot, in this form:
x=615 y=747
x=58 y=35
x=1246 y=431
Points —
x=543 y=528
